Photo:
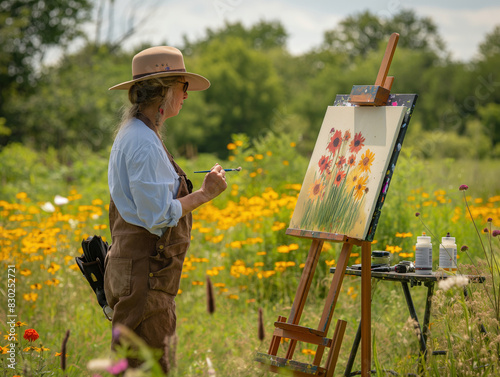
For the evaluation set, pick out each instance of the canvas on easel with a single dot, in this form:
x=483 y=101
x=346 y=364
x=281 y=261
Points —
x=347 y=169
x=340 y=201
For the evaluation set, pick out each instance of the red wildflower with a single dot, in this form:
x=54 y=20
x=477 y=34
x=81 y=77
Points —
x=463 y=187
x=357 y=143
x=341 y=161
x=339 y=178
x=324 y=164
x=335 y=142
x=347 y=135
x=31 y=335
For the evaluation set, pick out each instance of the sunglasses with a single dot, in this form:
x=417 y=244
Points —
x=185 y=85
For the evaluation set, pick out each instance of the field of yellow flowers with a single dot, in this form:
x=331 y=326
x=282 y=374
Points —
x=239 y=242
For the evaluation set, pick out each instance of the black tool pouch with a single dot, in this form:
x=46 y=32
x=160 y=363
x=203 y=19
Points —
x=91 y=263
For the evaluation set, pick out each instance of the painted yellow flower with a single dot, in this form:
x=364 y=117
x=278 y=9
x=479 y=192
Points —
x=360 y=187
x=366 y=161
x=316 y=189
x=352 y=178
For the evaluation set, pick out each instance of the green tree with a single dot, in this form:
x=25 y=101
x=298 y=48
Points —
x=490 y=116
x=71 y=105
x=245 y=91
x=27 y=29
x=491 y=45
x=264 y=35
x=361 y=33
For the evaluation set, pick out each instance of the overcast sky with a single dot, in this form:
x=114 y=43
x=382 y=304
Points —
x=461 y=23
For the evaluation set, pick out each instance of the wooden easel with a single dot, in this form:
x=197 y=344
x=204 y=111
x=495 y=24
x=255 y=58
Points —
x=366 y=95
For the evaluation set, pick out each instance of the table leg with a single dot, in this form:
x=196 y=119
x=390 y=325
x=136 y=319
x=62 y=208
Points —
x=354 y=351
x=427 y=314
x=413 y=314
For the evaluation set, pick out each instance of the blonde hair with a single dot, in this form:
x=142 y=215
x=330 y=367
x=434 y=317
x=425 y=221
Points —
x=146 y=93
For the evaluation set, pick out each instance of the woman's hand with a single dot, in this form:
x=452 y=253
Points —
x=214 y=183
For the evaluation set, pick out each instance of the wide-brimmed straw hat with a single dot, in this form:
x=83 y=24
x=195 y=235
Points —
x=162 y=61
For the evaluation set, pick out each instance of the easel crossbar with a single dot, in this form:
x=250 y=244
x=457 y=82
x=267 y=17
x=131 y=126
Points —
x=288 y=367
x=303 y=334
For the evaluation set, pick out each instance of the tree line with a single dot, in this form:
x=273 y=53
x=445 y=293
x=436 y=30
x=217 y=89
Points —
x=257 y=84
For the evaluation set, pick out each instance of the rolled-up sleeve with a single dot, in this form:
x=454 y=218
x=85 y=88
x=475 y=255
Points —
x=143 y=183
x=154 y=187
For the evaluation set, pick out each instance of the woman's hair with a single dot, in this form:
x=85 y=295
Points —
x=145 y=93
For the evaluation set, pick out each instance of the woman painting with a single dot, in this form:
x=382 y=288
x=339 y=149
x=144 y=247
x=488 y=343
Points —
x=151 y=200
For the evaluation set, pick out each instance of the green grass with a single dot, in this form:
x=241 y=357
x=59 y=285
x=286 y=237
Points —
x=229 y=336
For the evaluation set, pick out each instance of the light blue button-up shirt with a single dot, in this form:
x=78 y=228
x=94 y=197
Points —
x=142 y=181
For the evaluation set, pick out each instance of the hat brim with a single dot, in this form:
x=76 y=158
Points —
x=196 y=82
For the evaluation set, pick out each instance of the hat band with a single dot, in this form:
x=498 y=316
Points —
x=135 y=77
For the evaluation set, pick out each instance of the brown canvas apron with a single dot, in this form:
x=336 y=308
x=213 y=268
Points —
x=143 y=270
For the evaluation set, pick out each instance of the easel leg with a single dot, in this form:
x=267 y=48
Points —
x=333 y=355
x=275 y=342
x=366 y=315
x=333 y=294
x=303 y=289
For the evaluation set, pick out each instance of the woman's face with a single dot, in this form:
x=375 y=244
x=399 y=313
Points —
x=178 y=97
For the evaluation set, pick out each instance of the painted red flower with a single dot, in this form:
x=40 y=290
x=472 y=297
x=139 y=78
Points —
x=341 y=161
x=357 y=143
x=335 y=142
x=324 y=164
x=347 y=135
x=339 y=178
x=351 y=160
x=31 y=335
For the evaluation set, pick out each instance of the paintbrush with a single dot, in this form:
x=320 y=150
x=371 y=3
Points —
x=208 y=171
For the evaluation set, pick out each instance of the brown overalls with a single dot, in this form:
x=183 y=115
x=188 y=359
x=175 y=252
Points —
x=143 y=273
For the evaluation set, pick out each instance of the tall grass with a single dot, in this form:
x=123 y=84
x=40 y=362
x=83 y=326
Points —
x=239 y=241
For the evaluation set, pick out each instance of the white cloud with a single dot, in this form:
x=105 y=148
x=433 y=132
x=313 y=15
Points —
x=463 y=29
x=461 y=23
